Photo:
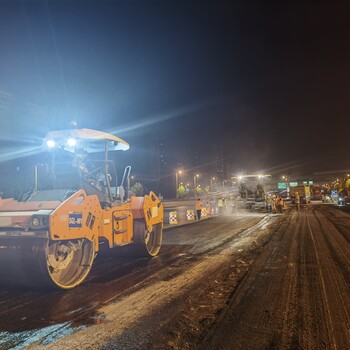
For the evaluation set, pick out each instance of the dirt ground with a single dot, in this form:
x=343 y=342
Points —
x=244 y=281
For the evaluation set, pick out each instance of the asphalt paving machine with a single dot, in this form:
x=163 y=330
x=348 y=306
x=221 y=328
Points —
x=50 y=237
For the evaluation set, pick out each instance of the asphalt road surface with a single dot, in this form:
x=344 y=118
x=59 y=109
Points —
x=244 y=281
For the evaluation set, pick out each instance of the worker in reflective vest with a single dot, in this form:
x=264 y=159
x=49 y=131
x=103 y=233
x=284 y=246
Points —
x=198 y=207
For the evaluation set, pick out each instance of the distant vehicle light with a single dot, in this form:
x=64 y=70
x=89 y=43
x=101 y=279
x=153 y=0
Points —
x=50 y=143
x=71 y=142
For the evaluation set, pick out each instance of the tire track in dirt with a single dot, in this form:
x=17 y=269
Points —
x=256 y=309
x=337 y=281
x=296 y=294
x=321 y=303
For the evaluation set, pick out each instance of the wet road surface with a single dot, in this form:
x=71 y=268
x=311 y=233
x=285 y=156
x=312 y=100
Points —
x=29 y=317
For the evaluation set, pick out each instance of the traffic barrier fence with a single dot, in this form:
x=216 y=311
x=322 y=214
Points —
x=179 y=215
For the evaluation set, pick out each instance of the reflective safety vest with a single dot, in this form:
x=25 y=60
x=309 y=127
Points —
x=198 y=205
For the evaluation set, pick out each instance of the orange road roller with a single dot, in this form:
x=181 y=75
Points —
x=50 y=237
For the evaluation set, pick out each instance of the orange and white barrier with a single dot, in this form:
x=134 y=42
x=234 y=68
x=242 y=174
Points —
x=173 y=218
x=190 y=214
x=204 y=212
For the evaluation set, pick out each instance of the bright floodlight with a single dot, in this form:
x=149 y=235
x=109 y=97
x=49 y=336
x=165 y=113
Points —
x=50 y=143
x=71 y=142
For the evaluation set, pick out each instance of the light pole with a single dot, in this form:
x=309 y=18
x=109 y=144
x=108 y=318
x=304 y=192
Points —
x=285 y=178
x=211 y=183
x=195 y=183
x=177 y=182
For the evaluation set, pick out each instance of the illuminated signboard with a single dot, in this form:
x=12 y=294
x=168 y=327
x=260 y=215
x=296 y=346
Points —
x=308 y=182
x=282 y=185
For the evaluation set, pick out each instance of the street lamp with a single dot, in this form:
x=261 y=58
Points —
x=177 y=182
x=195 y=183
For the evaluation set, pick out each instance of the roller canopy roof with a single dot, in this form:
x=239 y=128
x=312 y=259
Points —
x=88 y=139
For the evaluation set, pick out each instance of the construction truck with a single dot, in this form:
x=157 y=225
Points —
x=252 y=190
x=50 y=237
x=303 y=191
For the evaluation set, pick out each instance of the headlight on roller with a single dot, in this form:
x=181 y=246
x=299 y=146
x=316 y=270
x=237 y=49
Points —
x=35 y=221
x=39 y=221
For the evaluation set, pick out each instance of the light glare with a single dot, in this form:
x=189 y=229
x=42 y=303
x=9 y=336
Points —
x=71 y=142
x=50 y=143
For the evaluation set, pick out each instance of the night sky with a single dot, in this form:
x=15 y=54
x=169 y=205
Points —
x=259 y=85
